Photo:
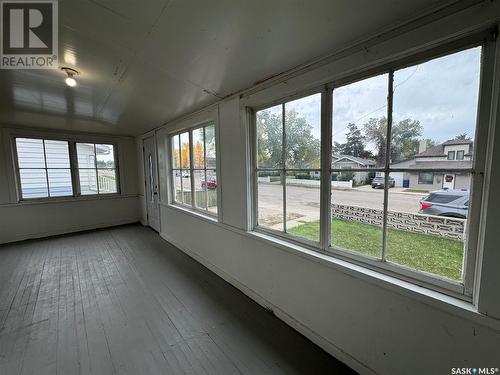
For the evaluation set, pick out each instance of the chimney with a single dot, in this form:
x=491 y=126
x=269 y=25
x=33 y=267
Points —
x=422 y=146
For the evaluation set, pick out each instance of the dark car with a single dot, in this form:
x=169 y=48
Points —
x=450 y=203
x=210 y=183
x=379 y=182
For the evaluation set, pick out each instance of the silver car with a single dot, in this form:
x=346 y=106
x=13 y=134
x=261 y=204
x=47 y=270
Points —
x=451 y=203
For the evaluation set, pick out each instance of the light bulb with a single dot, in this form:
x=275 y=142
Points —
x=70 y=81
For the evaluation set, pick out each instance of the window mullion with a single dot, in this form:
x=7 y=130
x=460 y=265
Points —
x=46 y=169
x=191 y=168
x=283 y=161
x=96 y=172
x=387 y=161
x=73 y=164
x=326 y=156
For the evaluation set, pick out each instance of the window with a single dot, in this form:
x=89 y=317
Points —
x=194 y=169
x=45 y=168
x=373 y=195
x=96 y=168
x=288 y=167
x=425 y=178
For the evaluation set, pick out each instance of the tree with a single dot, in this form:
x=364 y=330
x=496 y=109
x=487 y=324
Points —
x=198 y=155
x=185 y=156
x=463 y=137
x=302 y=147
x=354 y=145
x=404 y=138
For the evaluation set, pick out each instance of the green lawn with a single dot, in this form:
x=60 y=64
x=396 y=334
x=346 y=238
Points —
x=437 y=255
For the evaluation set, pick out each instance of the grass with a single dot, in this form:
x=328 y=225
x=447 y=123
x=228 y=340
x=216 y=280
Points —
x=416 y=191
x=428 y=253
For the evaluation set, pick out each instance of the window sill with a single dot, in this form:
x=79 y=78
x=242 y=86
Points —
x=56 y=200
x=424 y=295
x=190 y=211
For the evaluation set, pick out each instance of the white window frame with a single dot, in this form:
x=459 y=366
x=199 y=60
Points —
x=463 y=289
x=73 y=160
x=192 y=169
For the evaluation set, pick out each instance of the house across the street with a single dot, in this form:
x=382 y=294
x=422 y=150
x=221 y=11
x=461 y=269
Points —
x=351 y=162
x=453 y=154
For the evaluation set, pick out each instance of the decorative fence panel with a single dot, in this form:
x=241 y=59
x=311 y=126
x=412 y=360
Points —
x=440 y=226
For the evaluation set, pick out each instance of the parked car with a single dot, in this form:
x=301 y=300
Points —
x=210 y=183
x=379 y=181
x=451 y=203
x=186 y=174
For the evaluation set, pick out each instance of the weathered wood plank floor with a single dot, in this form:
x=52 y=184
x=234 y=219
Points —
x=123 y=301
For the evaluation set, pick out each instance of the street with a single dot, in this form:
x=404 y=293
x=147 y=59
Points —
x=303 y=203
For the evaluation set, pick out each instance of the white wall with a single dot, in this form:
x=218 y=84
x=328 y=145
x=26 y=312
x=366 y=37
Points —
x=23 y=220
x=375 y=323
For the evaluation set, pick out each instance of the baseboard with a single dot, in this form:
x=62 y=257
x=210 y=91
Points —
x=315 y=337
x=71 y=229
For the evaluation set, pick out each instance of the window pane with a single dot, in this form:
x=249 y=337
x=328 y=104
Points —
x=360 y=123
x=88 y=181
x=198 y=149
x=60 y=182
x=303 y=132
x=435 y=108
x=211 y=184
x=33 y=183
x=302 y=204
x=270 y=200
x=30 y=153
x=200 y=186
x=57 y=154
x=185 y=150
x=210 y=146
x=105 y=156
x=86 y=155
x=107 y=181
x=269 y=124
x=357 y=214
x=186 y=187
x=426 y=231
x=177 y=186
x=176 y=157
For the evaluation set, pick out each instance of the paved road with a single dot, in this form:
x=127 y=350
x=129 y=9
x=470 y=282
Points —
x=303 y=202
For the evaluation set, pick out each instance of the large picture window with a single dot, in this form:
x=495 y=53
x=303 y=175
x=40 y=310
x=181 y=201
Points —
x=194 y=169
x=43 y=168
x=392 y=197
x=61 y=168
x=96 y=168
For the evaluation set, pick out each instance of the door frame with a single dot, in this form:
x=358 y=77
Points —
x=151 y=134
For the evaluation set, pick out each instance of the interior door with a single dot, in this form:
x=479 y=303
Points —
x=151 y=177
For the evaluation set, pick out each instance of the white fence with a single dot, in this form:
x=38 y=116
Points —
x=309 y=183
x=440 y=226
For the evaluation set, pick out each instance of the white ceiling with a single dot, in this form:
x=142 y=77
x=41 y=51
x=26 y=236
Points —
x=144 y=63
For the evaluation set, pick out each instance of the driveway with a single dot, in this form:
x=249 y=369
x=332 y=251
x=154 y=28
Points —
x=303 y=202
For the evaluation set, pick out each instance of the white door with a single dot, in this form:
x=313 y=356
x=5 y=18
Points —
x=449 y=181
x=151 y=177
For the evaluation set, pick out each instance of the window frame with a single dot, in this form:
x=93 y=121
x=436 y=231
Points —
x=171 y=169
x=462 y=153
x=420 y=182
x=451 y=153
x=73 y=161
x=463 y=289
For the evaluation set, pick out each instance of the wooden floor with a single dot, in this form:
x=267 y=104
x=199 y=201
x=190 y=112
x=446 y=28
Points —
x=123 y=301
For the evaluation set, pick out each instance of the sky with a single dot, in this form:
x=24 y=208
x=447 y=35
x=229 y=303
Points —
x=441 y=93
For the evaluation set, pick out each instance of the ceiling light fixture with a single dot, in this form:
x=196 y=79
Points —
x=70 y=79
